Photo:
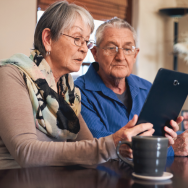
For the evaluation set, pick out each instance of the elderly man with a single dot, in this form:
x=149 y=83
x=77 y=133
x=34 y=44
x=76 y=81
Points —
x=111 y=96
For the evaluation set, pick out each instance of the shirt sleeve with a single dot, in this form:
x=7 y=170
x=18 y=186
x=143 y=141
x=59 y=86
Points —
x=170 y=152
x=19 y=134
x=84 y=133
x=92 y=118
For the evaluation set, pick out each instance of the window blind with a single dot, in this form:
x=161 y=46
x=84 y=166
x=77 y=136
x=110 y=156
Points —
x=99 y=9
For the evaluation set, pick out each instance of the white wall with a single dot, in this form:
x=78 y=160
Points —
x=182 y=33
x=18 y=20
x=155 y=37
x=182 y=65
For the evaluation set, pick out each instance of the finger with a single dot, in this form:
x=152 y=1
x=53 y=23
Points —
x=129 y=155
x=148 y=133
x=170 y=139
x=126 y=148
x=123 y=134
x=126 y=152
x=179 y=119
x=174 y=125
x=141 y=128
x=170 y=132
x=132 y=122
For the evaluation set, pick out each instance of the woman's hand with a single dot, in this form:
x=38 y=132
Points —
x=171 y=132
x=129 y=130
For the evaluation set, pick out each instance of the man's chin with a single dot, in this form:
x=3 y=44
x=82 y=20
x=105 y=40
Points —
x=120 y=75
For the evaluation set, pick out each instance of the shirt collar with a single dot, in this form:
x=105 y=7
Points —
x=135 y=82
x=93 y=81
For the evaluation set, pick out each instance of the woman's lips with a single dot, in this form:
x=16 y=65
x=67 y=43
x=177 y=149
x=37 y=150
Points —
x=79 y=60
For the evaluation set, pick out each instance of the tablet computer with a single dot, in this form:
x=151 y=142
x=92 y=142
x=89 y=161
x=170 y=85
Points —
x=165 y=100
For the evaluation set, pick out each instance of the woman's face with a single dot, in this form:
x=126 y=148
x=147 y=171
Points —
x=65 y=56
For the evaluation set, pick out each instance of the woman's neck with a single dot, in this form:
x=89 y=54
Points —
x=57 y=73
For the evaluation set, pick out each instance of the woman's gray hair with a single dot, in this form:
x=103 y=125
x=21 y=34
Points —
x=59 y=17
x=114 y=23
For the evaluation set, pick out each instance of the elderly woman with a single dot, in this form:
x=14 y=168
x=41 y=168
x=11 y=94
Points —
x=40 y=107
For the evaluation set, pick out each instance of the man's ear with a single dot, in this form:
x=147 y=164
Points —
x=46 y=39
x=135 y=55
x=94 y=52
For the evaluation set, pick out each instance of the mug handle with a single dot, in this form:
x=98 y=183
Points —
x=120 y=156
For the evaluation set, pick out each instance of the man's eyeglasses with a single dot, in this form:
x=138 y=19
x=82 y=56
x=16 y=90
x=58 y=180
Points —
x=79 y=41
x=129 y=50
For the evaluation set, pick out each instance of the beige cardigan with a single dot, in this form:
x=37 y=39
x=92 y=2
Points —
x=22 y=145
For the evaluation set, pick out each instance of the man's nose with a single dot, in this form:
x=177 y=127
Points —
x=120 y=55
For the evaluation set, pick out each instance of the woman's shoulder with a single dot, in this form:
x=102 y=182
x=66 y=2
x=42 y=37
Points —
x=4 y=69
x=11 y=73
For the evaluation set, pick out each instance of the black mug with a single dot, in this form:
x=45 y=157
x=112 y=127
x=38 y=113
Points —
x=149 y=154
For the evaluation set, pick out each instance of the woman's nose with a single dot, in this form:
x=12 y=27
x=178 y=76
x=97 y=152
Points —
x=84 y=47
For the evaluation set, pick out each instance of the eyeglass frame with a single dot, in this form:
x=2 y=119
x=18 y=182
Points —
x=84 y=40
x=117 y=50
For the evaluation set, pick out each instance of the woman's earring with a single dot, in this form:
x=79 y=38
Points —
x=47 y=53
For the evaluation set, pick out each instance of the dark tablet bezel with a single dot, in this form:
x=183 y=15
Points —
x=165 y=100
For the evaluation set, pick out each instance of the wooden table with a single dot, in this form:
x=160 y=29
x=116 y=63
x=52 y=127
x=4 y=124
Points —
x=113 y=174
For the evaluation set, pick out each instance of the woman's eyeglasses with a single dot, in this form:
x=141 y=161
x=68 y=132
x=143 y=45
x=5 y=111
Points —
x=79 y=41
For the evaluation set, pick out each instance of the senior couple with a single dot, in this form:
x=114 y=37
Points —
x=41 y=123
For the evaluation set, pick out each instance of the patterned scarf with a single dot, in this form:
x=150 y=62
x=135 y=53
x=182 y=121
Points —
x=55 y=107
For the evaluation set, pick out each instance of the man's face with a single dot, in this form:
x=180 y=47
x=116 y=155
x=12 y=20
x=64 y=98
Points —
x=118 y=65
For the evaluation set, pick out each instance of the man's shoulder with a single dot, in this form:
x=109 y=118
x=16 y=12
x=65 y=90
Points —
x=80 y=82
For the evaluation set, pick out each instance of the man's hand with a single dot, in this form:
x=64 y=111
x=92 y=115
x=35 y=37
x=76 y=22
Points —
x=129 y=130
x=171 y=133
x=181 y=144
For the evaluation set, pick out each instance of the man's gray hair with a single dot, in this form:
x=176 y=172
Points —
x=114 y=23
x=59 y=17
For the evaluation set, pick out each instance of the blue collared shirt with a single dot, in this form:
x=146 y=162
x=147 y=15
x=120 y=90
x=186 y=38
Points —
x=102 y=111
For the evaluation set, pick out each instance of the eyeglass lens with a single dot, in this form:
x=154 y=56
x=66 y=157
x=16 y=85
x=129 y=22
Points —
x=80 y=41
x=126 y=51
x=90 y=44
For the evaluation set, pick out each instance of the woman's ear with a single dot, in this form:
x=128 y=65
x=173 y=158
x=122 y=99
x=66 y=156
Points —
x=46 y=39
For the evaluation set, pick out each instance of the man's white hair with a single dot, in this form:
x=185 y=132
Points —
x=114 y=23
